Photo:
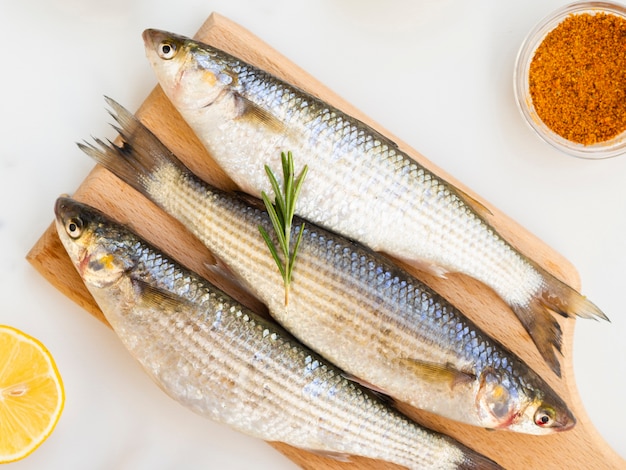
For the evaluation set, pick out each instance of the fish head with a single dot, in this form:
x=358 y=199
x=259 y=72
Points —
x=544 y=415
x=92 y=243
x=510 y=404
x=192 y=75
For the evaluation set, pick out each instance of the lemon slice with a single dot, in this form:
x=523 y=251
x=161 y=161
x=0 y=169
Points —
x=31 y=394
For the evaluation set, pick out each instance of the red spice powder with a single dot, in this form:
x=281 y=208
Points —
x=577 y=78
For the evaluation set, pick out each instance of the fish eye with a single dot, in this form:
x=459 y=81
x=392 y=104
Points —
x=167 y=50
x=545 y=417
x=74 y=227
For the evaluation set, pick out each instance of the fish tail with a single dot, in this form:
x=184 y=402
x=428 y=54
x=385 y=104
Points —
x=536 y=315
x=566 y=301
x=140 y=154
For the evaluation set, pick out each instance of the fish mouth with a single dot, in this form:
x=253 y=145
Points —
x=149 y=37
x=565 y=423
x=63 y=207
x=564 y=419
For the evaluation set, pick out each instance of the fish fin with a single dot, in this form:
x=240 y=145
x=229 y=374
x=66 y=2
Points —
x=437 y=270
x=434 y=372
x=553 y=296
x=163 y=299
x=472 y=460
x=251 y=200
x=561 y=298
x=478 y=207
x=221 y=270
x=255 y=113
x=328 y=454
x=430 y=268
x=379 y=392
x=544 y=331
x=138 y=157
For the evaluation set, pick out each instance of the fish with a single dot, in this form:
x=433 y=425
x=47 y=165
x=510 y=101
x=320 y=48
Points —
x=228 y=364
x=351 y=305
x=360 y=183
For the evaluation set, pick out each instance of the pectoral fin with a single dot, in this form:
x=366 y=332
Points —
x=437 y=373
x=154 y=297
x=253 y=112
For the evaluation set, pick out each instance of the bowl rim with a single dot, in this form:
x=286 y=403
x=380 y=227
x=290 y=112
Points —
x=601 y=150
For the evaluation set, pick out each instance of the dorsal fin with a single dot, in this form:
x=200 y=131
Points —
x=251 y=200
x=478 y=207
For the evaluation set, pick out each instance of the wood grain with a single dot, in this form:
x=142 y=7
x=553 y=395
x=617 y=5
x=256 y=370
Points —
x=581 y=447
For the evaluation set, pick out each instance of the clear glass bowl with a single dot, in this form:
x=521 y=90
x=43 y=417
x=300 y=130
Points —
x=605 y=149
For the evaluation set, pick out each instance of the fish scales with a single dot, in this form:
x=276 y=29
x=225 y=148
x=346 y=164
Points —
x=350 y=304
x=244 y=389
x=359 y=184
x=232 y=347
x=226 y=363
x=322 y=284
x=319 y=124
x=318 y=284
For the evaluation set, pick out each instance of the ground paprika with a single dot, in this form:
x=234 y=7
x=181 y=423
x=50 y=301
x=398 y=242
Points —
x=577 y=78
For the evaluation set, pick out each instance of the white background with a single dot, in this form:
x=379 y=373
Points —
x=436 y=73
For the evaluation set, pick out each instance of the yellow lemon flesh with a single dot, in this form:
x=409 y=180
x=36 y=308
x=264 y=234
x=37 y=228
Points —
x=31 y=394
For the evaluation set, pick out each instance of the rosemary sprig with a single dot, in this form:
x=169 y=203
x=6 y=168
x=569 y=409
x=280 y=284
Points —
x=281 y=214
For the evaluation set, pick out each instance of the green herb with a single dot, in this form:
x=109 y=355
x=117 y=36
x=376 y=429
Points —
x=281 y=214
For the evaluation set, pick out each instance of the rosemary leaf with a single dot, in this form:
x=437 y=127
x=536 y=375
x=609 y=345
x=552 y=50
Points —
x=281 y=214
x=277 y=224
x=279 y=200
x=295 y=250
x=297 y=189
x=273 y=251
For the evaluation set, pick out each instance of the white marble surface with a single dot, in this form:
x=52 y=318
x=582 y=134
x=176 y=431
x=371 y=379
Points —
x=437 y=73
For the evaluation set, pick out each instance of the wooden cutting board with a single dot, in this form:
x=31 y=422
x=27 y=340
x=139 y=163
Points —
x=581 y=447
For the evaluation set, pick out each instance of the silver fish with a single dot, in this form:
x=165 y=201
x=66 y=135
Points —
x=348 y=303
x=387 y=201
x=226 y=363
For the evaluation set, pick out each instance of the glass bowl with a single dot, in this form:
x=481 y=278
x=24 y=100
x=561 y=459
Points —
x=604 y=149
